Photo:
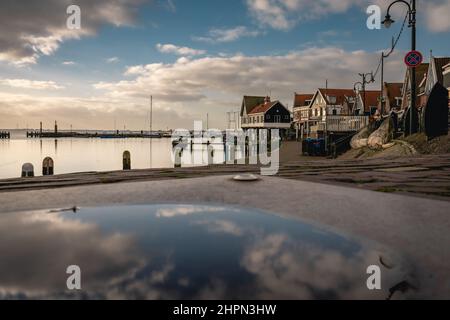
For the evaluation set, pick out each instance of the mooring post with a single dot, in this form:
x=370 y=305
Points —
x=126 y=160
x=48 y=167
x=27 y=170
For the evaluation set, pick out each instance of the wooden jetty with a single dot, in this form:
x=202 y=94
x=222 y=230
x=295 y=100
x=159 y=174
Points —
x=102 y=135
x=5 y=135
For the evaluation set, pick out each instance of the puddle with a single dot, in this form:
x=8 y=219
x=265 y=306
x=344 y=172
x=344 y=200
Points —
x=186 y=252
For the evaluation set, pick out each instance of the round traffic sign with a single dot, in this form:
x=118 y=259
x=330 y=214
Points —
x=413 y=59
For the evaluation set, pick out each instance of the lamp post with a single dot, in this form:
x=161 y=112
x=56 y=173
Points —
x=363 y=83
x=356 y=91
x=412 y=24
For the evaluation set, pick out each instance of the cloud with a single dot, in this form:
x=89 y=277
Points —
x=30 y=84
x=227 y=35
x=181 y=51
x=304 y=70
x=437 y=15
x=68 y=63
x=285 y=14
x=39 y=27
x=171 y=5
x=113 y=60
x=187 y=89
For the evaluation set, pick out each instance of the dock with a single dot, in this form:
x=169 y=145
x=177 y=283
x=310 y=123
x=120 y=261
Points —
x=101 y=135
x=5 y=135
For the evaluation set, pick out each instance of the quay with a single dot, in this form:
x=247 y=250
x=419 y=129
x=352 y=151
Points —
x=102 y=135
x=5 y=135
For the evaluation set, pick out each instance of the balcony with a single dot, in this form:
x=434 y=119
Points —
x=342 y=124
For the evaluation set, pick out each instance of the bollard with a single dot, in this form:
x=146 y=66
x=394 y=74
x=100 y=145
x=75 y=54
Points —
x=47 y=167
x=210 y=151
x=27 y=170
x=126 y=160
x=178 y=156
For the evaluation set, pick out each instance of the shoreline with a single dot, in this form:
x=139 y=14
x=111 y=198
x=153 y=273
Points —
x=417 y=175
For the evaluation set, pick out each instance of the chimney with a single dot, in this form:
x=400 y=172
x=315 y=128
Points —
x=267 y=99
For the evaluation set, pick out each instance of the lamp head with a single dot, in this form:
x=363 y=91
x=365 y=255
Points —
x=387 y=22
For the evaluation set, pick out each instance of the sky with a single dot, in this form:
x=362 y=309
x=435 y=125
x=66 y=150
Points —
x=194 y=57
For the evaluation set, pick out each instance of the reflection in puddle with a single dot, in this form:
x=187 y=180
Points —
x=184 y=252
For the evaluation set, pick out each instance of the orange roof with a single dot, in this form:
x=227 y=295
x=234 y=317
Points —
x=393 y=90
x=263 y=108
x=372 y=99
x=300 y=100
x=340 y=94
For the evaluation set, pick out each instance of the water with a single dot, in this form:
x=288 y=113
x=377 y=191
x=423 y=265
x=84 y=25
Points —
x=73 y=155
x=185 y=252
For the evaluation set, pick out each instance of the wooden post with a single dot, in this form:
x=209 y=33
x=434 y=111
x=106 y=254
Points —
x=48 y=167
x=126 y=160
x=27 y=170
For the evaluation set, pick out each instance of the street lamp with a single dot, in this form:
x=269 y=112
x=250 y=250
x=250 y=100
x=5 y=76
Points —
x=412 y=24
x=364 y=77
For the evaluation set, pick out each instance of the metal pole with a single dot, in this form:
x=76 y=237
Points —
x=413 y=70
x=151 y=115
x=382 y=85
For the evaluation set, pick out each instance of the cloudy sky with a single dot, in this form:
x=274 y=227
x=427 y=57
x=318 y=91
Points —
x=194 y=56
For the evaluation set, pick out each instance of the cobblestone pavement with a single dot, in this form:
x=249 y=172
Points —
x=424 y=175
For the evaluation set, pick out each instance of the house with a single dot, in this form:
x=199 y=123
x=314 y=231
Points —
x=421 y=71
x=370 y=105
x=257 y=113
x=446 y=76
x=434 y=75
x=332 y=102
x=332 y=112
x=392 y=97
x=301 y=110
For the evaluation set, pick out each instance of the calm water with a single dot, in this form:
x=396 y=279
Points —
x=185 y=252
x=84 y=155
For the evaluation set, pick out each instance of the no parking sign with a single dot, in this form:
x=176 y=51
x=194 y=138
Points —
x=413 y=59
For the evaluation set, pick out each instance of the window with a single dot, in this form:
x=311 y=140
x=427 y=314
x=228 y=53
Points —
x=373 y=110
x=268 y=117
x=286 y=117
x=277 y=119
x=334 y=112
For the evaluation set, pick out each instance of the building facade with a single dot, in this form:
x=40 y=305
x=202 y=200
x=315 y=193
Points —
x=262 y=113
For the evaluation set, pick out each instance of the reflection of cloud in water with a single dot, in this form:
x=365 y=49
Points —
x=171 y=212
x=52 y=243
x=285 y=269
x=221 y=226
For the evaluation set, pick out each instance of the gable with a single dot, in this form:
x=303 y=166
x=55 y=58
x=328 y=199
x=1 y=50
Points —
x=249 y=103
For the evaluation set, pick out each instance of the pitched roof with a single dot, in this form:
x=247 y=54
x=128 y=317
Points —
x=340 y=94
x=421 y=72
x=372 y=98
x=250 y=102
x=300 y=99
x=440 y=63
x=393 y=90
x=264 y=107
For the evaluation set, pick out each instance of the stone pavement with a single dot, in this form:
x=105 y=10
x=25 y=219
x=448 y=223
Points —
x=424 y=175
x=414 y=227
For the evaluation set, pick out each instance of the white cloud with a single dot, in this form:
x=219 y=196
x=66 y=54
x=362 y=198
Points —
x=181 y=51
x=285 y=14
x=68 y=63
x=227 y=35
x=305 y=71
x=189 y=88
x=113 y=60
x=30 y=84
x=438 y=16
x=39 y=27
